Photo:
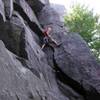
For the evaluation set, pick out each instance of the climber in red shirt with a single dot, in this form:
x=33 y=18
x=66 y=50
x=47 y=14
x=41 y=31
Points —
x=48 y=40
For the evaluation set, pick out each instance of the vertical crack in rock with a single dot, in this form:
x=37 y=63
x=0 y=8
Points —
x=48 y=74
x=69 y=82
x=31 y=24
x=76 y=67
x=22 y=52
x=61 y=76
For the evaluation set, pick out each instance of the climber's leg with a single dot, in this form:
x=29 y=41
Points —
x=43 y=46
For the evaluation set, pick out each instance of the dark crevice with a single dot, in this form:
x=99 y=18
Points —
x=67 y=80
x=32 y=25
x=64 y=78
x=88 y=95
x=22 y=51
x=69 y=92
x=77 y=87
x=23 y=56
x=30 y=95
x=36 y=5
x=1 y=19
x=17 y=97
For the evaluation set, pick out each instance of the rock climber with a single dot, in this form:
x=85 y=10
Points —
x=48 y=40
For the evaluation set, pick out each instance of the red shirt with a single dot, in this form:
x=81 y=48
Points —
x=45 y=32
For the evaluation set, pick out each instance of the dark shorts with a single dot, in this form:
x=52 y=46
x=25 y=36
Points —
x=46 y=40
x=49 y=42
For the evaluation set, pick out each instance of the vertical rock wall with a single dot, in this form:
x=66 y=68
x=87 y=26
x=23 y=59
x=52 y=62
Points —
x=27 y=72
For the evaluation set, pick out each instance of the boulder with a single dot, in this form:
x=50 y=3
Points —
x=10 y=34
x=17 y=82
x=22 y=5
x=37 y=5
x=49 y=17
x=75 y=60
x=72 y=57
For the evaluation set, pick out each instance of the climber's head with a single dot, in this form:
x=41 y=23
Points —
x=47 y=30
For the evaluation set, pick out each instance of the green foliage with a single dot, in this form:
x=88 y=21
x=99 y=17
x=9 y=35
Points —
x=83 y=21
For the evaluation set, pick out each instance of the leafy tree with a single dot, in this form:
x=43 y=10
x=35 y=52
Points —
x=83 y=21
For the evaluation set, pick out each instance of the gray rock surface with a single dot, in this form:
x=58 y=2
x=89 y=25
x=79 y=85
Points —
x=2 y=11
x=17 y=82
x=8 y=4
x=37 y=58
x=27 y=72
x=37 y=5
x=60 y=9
x=73 y=59
x=28 y=11
x=10 y=34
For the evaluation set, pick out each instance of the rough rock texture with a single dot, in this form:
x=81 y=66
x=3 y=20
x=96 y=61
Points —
x=10 y=34
x=8 y=4
x=17 y=82
x=27 y=72
x=27 y=10
x=72 y=58
x=37 y=5
x=2 y=11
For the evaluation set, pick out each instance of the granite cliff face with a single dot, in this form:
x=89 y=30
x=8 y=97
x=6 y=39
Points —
x=66 y=72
